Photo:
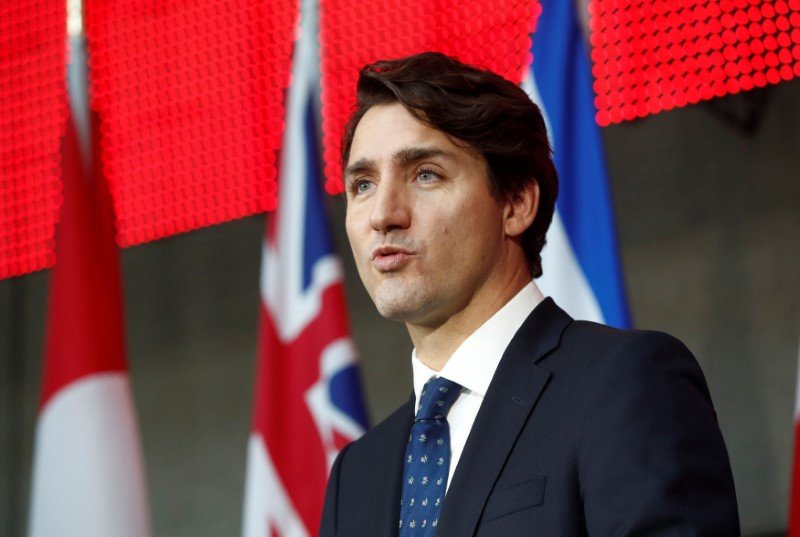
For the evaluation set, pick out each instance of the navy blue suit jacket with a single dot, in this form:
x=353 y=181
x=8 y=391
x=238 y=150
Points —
x=585 y=430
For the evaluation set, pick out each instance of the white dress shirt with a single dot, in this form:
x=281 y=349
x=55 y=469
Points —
x=473 y=364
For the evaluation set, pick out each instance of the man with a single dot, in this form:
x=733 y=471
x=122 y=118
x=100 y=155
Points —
x=530 y=422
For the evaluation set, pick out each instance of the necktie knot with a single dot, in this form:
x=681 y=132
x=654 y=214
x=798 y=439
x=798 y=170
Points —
x=437 y=396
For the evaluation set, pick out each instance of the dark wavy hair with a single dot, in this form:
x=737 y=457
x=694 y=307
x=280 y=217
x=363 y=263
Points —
x=492 y=115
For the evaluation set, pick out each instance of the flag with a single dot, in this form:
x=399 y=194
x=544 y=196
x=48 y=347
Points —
x=794 y=498
x=307 y=402
x=580 y=261
x=88 y=476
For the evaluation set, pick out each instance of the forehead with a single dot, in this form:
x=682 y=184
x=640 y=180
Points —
x=388 y=129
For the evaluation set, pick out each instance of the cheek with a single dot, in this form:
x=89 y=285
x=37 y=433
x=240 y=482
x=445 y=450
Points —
x=451 y=214
x=481 y=225
x=352 y=230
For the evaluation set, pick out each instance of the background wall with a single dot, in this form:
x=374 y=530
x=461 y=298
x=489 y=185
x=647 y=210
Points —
x=709 y=226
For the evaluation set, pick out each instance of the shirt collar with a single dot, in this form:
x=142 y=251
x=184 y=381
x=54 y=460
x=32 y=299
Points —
x=474 y=362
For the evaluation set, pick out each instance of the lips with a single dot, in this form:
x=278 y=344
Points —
x=389 y=258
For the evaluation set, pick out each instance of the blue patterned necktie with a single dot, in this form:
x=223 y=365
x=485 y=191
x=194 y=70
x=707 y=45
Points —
x=427 y=459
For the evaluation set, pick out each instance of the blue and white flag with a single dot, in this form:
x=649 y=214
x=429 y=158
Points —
x=581 y=260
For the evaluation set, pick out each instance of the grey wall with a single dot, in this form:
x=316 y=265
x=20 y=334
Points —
x=708 y=223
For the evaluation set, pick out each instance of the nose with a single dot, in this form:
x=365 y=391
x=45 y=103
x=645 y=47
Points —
x=390 y=209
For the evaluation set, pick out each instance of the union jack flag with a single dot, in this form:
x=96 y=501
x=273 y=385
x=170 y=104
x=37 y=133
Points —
x=307 y=403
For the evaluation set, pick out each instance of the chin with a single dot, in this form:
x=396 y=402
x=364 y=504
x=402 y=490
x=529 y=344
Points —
x=410 y=309
x=399 y=304
x=395 y=311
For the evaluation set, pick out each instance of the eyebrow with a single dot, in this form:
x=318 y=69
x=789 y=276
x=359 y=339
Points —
x=360 y=166
x=411 y=155
x=402 y=157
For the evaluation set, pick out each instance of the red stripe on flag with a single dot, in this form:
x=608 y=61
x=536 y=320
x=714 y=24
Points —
x=340 y=440
x=794 y=503
x=85 y=326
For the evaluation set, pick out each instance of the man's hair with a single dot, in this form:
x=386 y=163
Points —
x=492 y=115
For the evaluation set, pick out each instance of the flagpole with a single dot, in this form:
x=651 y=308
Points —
x=77 y=76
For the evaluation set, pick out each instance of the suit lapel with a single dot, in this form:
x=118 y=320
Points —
x=388 y=476
x=512 y=394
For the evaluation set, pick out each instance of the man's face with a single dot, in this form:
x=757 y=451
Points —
x=426 y=233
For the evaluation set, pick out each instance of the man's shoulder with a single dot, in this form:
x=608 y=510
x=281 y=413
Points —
x=608 y=337
x=598 y=350
x=636 y=397
x=607 y=357
x=550 y=329
x=609 y=342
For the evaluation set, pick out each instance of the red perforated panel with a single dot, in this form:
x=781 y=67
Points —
x=353 y=33
x=190 y=96
x=654 y=55
x=32 y=115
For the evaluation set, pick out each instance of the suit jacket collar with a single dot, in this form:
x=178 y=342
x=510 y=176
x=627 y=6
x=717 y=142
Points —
x=512 y=395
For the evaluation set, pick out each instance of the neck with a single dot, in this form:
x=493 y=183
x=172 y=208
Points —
x=435 y=345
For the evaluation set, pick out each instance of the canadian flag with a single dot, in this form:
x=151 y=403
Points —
x=308 y=403
x=794 y=493
x=88 y=476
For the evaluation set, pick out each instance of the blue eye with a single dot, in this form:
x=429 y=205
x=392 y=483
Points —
x=360 y=186
x=427 y=176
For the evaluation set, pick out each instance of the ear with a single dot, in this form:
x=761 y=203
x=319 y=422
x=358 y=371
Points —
x=520 y=209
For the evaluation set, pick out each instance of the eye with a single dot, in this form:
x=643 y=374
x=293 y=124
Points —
x=360 y=186
x=426 y=175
